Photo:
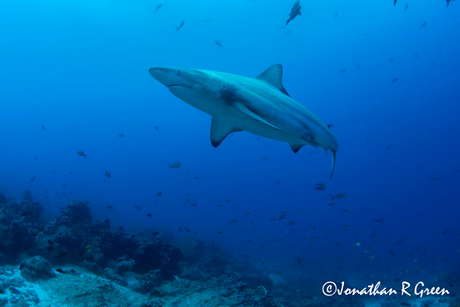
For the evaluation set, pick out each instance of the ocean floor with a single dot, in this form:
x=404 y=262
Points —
x=76 y=260
x=75 y=286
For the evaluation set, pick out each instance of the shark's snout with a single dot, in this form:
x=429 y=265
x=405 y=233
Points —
x=166 y=76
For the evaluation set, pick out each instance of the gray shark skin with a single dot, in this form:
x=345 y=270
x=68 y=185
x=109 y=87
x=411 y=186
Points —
x=258 y=105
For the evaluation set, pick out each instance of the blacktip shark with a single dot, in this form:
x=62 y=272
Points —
x=258 y=105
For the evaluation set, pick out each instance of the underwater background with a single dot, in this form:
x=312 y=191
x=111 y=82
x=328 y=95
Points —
x=74 y=77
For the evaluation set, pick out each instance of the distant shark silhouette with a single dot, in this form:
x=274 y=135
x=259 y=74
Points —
x=258 y=105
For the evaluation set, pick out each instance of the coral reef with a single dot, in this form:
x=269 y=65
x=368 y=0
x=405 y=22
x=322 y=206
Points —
x=36 y=268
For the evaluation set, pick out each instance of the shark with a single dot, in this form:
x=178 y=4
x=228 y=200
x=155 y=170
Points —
x=259 y=105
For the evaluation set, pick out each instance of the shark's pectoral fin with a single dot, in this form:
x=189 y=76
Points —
x=220 y=129
x=296 y=147
x=274 y=76
x=245 y=110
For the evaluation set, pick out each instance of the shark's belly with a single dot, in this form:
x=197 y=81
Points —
x=248 y=124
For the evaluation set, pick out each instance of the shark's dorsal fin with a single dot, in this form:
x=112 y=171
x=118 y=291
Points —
x=274 y=76
x=245 y=110
x=220 y=130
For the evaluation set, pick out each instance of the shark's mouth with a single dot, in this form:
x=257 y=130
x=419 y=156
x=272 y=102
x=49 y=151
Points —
x=173 y=85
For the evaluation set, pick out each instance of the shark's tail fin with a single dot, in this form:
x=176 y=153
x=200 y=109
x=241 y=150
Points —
x=333 y=161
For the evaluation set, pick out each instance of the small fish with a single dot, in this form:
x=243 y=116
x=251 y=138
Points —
x=445 y=231
x=380 y=220
x=336 y=14
x=181 y=25
x=138 y=207
x=406 y=7
x=320 y=186
x=149 y=214
x=157 y=128
x=273 y=220
x=193 y=205
x=43 y=127
x=218 y=44
x=394 y=80
x=155 y=233
x=391 y=252
x=35 y=158
x=158 y=7
x=121 y=135
x=33 y=178
x=196 y=177
x=416 y=55
x=107 y=174
x=346 y=210
x=175 y=165
x=228 y=200
x=298 y=260
x=282 y=217
x=342 y=195
x=313 y=227
x=330 y=205
x=159 y=194
x=234 y=221
x=291 y=223
x=394 y=3
x=343 y=70
x=401 y=241
x=109 y=207
x=423 y=24
x=295 y=11
x=220 y=232
x=82 y=154
x=389 y=146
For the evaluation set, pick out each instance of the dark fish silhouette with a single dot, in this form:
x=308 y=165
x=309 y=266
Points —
x=218 y=44
x=407 y=6
x=295 y=10
x=395 y=2
x=181 y=25
x=158 y=7
x=423 y=24
x=175 y=165
x=342 y=195
x=107 y=174
x=82 y=154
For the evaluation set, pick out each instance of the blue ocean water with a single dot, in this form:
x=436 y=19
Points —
x=75 y=76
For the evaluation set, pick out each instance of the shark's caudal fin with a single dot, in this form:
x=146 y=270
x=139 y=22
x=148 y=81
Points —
x=274 y=76
x=333 y=162
x=220 y=129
